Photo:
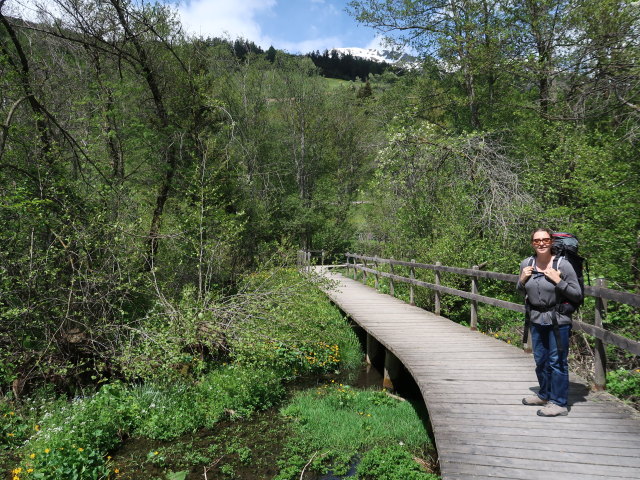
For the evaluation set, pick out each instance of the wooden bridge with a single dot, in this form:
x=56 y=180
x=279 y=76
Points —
x=473 y=384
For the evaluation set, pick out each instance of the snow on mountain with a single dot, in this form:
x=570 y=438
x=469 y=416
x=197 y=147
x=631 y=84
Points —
x=388 y=56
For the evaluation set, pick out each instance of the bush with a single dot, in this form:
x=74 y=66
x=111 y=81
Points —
x=624 y=384
x=295 y=332
x=71 y=441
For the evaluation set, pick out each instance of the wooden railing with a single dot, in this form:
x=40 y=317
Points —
x=602 y=294
x=304 y=258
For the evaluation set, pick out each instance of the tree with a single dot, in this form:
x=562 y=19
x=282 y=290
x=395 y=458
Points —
x=463 y=34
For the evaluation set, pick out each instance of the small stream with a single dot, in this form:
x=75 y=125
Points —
x=265 y=433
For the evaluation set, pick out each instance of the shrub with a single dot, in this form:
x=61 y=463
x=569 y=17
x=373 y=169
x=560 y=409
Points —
x=296 y=332
x=624 y=384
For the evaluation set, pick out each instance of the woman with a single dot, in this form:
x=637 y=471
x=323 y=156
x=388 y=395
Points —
x=548 y=291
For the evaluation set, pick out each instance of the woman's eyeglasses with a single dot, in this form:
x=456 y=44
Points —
x=541 y=241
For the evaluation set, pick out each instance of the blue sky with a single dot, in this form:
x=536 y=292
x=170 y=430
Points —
x=297 y=26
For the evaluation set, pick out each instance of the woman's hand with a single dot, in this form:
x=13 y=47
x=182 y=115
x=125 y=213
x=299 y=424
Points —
x=526 y=274
x=553 y=275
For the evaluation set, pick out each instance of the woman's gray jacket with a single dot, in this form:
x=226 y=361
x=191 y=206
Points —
x=543 y=294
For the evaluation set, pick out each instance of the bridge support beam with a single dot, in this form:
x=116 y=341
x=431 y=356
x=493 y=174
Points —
x=374 y=350
x=392 y=368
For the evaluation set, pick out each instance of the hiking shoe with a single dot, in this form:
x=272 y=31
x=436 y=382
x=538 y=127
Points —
x=534 y=400
x=552 y=410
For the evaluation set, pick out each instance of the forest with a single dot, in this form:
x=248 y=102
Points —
x=151 y=182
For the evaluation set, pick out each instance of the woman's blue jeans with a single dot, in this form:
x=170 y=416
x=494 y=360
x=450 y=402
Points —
x=552 y=369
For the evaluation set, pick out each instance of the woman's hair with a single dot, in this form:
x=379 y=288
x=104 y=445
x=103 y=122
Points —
x=541 y=230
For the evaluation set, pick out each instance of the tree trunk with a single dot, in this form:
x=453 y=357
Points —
x=171 y=153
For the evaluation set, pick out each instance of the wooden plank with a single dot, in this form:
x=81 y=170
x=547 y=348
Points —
x=551 y=430
x=586 y=456
x=552 y=465
x=464 y=471
x=557 y=443
x=532 y=424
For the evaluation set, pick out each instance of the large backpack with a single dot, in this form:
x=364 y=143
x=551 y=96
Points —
x=565 y=247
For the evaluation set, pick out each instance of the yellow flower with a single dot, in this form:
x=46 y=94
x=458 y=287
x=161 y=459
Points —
x=29 y=470
x=155 y=453
x=81 y=449
x=36 y=428
x=47 y=450
x=11 y=434
x=116 y=470
x=17 y=471
x=16 y=477
x=108 y=457
x=32 y=456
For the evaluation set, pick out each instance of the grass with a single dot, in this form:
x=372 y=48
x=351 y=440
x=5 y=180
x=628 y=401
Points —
x=336 y=424
x=335 y=83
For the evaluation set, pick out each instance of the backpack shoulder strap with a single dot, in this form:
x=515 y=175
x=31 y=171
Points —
x=531 y=261
x=556 y=262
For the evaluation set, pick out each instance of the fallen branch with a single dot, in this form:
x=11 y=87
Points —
x=308 y=463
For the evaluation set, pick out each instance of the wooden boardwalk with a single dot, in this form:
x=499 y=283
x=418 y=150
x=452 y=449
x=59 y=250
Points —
x=473 y=384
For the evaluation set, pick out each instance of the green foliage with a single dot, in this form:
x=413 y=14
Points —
x=391 y=463
x=72 y=441
x=177 y=475
x=341 y=422
x=14 y=428
x=281 y=336
x=625 y=384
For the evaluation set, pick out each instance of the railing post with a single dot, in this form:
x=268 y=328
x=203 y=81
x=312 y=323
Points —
x=392 y=289
x=355 y=270
x=322 y=257
x=474 y=303
x=308 y=261
x=412 y=276
x=377 y=281
x=364 y=272
x=437 y=299
x=600 y=360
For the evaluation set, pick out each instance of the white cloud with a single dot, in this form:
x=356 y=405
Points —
x=377 y=43
x=217 y=18
x=306 y=46
x=32 y=10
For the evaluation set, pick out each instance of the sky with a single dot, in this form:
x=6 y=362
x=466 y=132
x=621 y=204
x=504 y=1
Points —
x=297 y=26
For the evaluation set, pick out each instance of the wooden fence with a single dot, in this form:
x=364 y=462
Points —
x=602 y=294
